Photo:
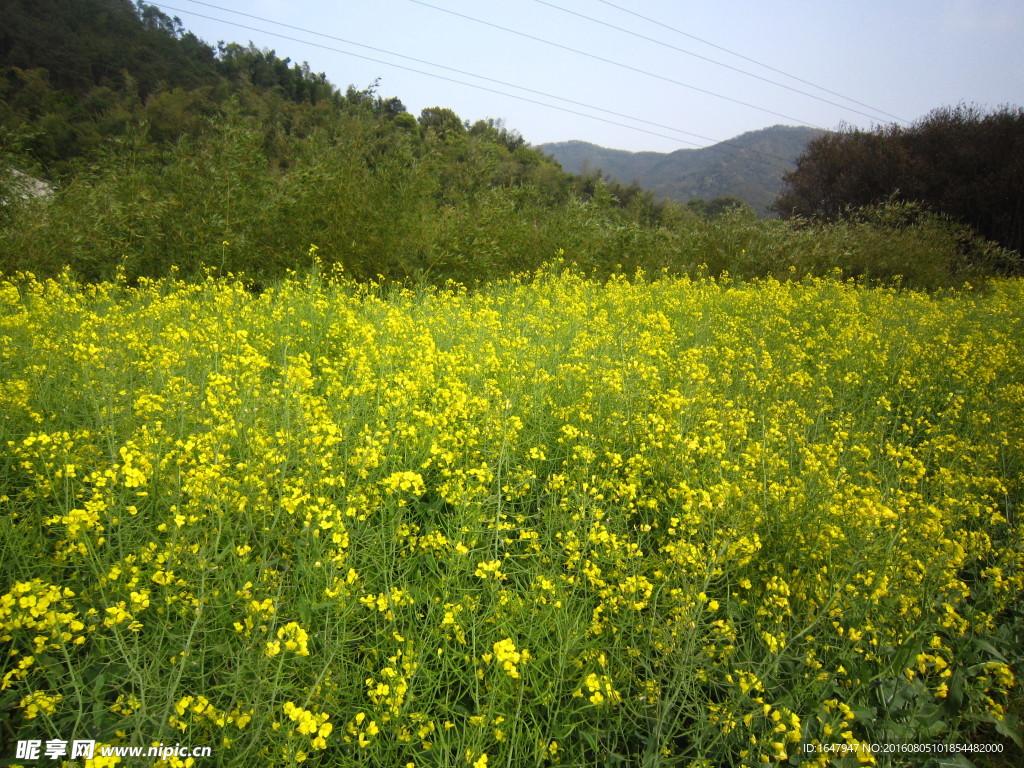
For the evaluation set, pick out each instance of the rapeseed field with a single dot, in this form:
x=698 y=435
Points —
x=552 y=521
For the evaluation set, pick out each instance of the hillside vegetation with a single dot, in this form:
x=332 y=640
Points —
x=963 y=161
x=167 y=155
x=748 y=168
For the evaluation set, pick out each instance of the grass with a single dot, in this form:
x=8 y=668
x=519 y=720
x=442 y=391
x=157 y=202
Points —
x=552 y=521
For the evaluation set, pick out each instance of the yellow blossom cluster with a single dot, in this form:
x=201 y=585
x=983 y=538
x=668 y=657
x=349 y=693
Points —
x=391 y=686
x=195 y=711
x=317 y=727
x=507 y=656
x=291 y=637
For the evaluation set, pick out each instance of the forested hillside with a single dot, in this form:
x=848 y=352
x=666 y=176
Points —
x=163 y=153
x=749 y=167
x=174 y=147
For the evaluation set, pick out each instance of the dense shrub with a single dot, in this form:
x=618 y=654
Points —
x=963 y=162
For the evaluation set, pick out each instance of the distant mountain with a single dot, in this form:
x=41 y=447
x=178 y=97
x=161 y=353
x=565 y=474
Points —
x=749 y=167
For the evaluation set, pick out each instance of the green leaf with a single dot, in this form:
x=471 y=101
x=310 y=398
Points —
x=927 y=712
x=591 y=738
x=864 y=712
x=1009 y=727
x=936 y=728
x=99 y=714
x=956 y=760
x=886 y=692
x=985 y=645
x=97 y=684
x=955 y=696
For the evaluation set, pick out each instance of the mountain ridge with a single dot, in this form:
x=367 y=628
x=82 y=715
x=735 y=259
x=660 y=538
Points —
x=749 y=166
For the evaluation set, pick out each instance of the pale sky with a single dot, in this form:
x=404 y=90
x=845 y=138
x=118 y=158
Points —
x=900 y=58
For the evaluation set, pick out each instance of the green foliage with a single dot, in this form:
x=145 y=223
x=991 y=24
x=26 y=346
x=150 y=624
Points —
x=380 y=201
x=711 y=208
x=77 y=74
x=243 y=160
x=890 y=243
x=442 y=123
x=959 y=161
x=748 y=167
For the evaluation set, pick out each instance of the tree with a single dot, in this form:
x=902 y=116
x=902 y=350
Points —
x=709 y=209
x=958 y=161
x=442 y=122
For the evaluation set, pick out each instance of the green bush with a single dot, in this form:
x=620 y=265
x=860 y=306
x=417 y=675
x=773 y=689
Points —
x=380 y=201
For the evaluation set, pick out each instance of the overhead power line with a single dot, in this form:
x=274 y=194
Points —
x=614 y=63
x=752 y=61
x=704 y=58
x=718 y=143
x=461 y=72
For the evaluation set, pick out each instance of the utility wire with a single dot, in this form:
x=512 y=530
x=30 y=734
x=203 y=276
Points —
x=464 y=72
x=703 y=58
x=470 y=85
x=716 y=142
x=752 y=61
x=614 y=63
